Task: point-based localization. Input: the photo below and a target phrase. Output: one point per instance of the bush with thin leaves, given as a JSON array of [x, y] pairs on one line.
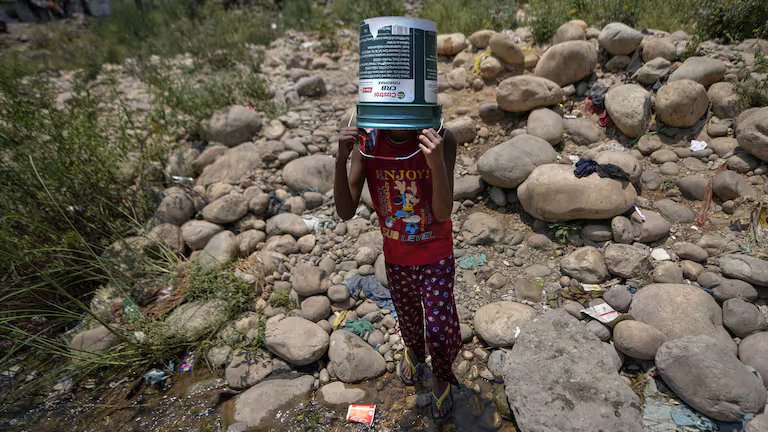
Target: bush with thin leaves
[[465, 16]]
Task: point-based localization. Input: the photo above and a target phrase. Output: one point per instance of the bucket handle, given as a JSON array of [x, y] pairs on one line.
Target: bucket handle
[[442, 119]]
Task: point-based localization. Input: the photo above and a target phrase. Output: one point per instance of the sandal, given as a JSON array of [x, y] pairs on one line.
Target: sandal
[[414, 369], [437, 404]]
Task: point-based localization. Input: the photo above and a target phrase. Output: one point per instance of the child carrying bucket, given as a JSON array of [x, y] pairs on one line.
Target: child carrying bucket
[[409, 169]]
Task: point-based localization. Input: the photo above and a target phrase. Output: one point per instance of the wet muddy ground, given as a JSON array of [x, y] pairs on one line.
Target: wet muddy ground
[[201, 401]]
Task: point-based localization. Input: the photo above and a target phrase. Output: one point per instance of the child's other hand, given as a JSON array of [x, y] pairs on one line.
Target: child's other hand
[[348, 138], [431, 144]]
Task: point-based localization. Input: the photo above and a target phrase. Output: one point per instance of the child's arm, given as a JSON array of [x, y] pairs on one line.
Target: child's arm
[[347, 189], [440, 153]]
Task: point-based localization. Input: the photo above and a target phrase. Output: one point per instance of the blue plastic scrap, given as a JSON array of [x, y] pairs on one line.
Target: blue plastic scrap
[[471, 262], [372, 289]]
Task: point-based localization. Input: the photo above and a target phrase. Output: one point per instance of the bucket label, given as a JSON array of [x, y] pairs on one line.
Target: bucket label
[[398, 64]]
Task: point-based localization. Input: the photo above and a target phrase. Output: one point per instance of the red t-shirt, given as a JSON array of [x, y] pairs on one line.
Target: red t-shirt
[[401, 191]]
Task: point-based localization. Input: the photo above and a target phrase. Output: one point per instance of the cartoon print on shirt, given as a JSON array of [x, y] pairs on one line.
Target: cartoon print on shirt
[[407, 198]]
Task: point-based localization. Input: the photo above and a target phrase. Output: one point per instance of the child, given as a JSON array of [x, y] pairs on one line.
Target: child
[[410, 177]]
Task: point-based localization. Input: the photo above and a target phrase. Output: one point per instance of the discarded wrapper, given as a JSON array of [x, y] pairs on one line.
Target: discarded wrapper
[[601, 312], [361, 413], [591, 287], [188, 363], [698, 145]]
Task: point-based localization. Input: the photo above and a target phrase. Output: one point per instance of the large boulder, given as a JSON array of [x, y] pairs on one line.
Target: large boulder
[[310, 173], [693, 187], [504, 47], [526, 92], [742, 318], [753, 351], [227, 209], [467, 187], [567, 62], [752, 133], [629, 106], [659, 47], [729, 185], [710, 379], [745, 267], [176, 207], [231, 166], [221, 249], [681, 103], [546, 124], [354, 360], [481, 38], [311, 86], [196, 233], [246, 369], [561, 378], [725, 101], [451, 44], [296, 340], [463, 129], [496, 323], [637, 340], [675, 211], [481, 228], [572, 30], [582, 131], [704, 70], [619, 39], [553, 193], [508, 164], [309, 280], [193, 320], [95, 340], [286, 223], [680, 310], [586, 265], [255, 407], [652, 71], [624, 160], [627, 261], [232, 125]]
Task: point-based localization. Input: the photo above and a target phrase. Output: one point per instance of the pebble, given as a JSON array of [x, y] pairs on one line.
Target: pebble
[[473, 373], [487, 374], [481, 354], [462, 368], [468, 355]]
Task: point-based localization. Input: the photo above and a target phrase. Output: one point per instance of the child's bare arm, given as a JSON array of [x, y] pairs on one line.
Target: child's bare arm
[[347, 188], [440, 153]]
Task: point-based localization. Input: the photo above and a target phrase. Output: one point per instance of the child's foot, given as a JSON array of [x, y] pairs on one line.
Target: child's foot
[[409, 368], [442, 405]]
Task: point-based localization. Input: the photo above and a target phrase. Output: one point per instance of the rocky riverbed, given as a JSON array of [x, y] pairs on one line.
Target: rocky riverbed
[[672, 247]]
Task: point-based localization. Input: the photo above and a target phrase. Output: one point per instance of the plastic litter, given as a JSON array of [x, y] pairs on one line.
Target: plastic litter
[[591, 287], [359, 327], [601, 312], [471, 262], [642, 216], [372, 289], [182, 180], [569, 116], [361, 413], [698, 145], [318, 224], [187, 363], [155, 376], [662, 413]]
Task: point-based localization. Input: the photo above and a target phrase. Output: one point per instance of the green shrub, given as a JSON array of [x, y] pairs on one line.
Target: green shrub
[[545, 16], [751, 92], [466, 16], [732, 20]]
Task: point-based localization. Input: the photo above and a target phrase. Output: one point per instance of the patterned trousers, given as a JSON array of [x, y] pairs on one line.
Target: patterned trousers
[[424, 295]]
